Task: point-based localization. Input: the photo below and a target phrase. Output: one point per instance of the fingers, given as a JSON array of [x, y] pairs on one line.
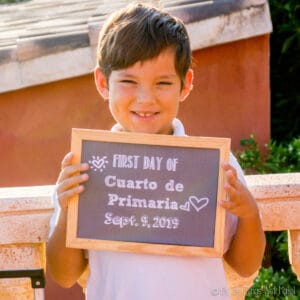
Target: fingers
[[231, 175], [239, 199], [69, 183], [70, 187], [232, 188], [229, 205], [71, 170], [67, 160], [65, 197]]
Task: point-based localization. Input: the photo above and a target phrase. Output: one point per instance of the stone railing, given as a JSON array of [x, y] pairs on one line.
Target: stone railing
[[278, 198], [25, 214], [24, 227]]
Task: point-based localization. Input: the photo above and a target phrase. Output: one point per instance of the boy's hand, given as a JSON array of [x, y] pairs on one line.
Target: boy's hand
[[69, 180], [240, 201], [247, 247]]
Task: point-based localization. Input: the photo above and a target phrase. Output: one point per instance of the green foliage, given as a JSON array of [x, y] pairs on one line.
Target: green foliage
[[11, 1], [277, 158], [276, 279], [250, 158], [285, 69], [274, 285], [278, 243], [284, 157]]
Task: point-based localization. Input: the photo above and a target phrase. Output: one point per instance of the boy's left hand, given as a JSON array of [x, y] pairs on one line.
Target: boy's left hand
[[247, 247], [240, 201]]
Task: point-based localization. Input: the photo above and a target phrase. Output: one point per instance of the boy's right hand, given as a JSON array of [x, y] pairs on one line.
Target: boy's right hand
[[69, 180]]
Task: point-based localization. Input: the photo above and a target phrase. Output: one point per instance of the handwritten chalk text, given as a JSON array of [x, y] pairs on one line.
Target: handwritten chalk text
[[153, 163], [113, 181], [144, 221], [129, 201]]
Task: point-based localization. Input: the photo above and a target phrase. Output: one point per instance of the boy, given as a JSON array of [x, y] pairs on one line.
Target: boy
[[144, 73]]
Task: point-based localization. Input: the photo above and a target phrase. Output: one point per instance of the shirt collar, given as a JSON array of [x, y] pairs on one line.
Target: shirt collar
[[178, 128]]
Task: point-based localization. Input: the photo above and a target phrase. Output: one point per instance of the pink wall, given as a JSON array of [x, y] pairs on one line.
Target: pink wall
[[231, 96], [230, 99], [36, 123]]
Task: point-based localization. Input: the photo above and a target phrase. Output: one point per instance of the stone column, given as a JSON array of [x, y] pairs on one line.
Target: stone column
[[294, 251], [24, 226]]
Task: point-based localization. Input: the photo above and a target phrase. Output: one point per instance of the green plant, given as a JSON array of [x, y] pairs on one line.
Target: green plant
[[277, 255], [11, 1], [275, 279], [283, 157], [274, 285], [250, 158], [278, 157]]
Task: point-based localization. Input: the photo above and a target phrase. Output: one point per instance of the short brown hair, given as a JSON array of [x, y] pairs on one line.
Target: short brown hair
[[139, 32]]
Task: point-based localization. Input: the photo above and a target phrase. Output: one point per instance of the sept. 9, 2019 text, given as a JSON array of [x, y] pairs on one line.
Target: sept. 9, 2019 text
[[143, 221]]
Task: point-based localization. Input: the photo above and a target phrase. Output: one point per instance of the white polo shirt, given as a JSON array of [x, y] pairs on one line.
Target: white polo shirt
[[131, 276]]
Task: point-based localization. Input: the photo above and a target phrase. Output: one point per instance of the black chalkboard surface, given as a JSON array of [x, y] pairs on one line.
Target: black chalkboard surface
[[149, 193]]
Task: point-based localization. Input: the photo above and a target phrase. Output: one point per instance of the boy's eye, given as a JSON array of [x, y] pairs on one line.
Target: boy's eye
[[127, 81], [164, 83]]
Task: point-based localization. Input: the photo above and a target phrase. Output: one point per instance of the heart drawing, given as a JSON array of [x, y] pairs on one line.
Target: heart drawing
[[197, 203], [97, 163]]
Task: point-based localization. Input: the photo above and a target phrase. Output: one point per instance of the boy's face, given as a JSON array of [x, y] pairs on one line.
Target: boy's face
[[145, 97]]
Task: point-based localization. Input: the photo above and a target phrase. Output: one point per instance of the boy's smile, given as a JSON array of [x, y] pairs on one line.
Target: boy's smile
[[145, 96]]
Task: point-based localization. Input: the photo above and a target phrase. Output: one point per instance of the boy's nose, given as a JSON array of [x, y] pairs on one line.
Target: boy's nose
[[145, 95]]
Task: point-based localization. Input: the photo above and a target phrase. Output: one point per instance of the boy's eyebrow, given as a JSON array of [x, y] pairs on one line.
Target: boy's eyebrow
[[124, 73], [168, 76], [164, 76]]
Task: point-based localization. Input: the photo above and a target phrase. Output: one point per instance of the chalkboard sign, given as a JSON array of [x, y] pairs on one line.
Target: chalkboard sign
[[149, 193]]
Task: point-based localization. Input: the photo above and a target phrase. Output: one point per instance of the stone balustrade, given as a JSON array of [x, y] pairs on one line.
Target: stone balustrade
[[278, 198], [24, 227], [25, 214]]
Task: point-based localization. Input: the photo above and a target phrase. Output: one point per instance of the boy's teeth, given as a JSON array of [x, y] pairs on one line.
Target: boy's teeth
[[144, 114]]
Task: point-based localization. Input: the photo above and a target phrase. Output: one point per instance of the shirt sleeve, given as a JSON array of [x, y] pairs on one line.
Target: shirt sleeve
[[54, 217]]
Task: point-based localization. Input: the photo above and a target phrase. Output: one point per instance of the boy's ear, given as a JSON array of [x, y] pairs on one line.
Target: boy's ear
[[188, 85], [101, 83]]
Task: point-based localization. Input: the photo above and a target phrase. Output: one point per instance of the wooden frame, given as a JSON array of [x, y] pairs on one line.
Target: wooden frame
[[176, 144]]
